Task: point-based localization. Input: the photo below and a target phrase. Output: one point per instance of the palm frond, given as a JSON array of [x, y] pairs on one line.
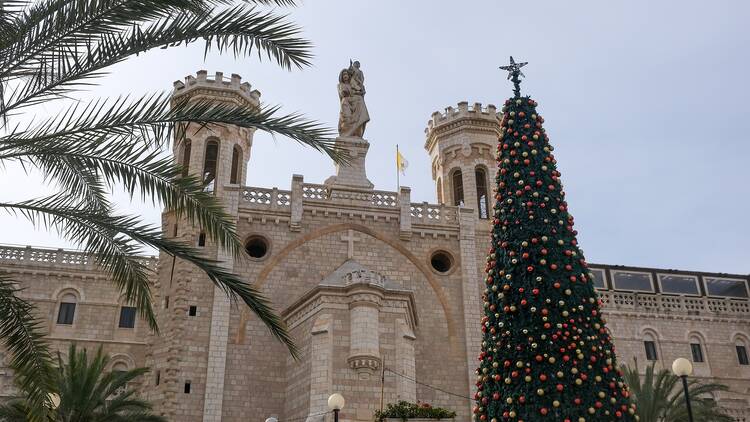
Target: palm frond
[[152, 119], [120, 258], [239, 30], [22, 336], [117, 254], [138, 168]]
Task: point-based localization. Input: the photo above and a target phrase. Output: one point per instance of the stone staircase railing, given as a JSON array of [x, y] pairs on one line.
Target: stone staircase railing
[[666, 304], [55, 257]]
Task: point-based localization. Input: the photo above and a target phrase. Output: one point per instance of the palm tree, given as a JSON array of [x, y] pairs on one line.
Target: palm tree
[[87, 392], [659, 396], [49, 50]]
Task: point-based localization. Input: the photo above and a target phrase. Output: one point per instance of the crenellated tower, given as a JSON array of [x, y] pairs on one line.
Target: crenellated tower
[[461, 142], [188, 358], [218, 154]]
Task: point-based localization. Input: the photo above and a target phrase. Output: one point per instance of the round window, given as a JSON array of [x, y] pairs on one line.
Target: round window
[[441, 261], [256, 247]]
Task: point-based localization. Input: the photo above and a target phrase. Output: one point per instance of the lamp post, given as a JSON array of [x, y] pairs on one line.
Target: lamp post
[[335, 403], [682, 368], [54, 400]]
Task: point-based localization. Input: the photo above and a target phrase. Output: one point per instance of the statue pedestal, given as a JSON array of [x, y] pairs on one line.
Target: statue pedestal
[[350, 181]]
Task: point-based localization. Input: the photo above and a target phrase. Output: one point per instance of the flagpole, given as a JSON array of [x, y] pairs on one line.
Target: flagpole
[[398, 171]]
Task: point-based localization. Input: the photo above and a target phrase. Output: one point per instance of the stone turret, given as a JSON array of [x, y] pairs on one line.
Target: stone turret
[[461, 142], [218, 154], [189, 357]]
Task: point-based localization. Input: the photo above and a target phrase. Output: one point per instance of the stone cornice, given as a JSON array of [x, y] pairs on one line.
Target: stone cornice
[[342, 297]]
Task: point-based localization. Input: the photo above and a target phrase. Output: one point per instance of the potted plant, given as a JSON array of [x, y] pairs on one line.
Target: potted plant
[[414, 412]]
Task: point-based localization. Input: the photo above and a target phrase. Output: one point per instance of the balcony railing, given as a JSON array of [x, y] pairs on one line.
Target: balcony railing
[[665, 304], [56, 257]]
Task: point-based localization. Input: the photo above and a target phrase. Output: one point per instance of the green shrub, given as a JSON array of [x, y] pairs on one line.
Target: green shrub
[[404, 410]]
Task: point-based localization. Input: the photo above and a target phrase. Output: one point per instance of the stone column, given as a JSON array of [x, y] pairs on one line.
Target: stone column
[[364, 337], [472, 300]]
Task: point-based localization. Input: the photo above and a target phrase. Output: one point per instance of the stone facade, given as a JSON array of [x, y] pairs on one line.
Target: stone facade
[[381, 294]]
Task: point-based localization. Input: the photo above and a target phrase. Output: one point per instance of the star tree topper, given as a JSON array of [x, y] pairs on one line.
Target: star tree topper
[[514, 71]]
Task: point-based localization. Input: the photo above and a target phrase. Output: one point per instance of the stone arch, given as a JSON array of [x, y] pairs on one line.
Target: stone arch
[[457, 185], [69, 288], [395, 244], [121, 358]]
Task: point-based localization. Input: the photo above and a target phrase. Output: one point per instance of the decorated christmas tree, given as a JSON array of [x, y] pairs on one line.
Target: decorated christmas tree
[[546, 352]]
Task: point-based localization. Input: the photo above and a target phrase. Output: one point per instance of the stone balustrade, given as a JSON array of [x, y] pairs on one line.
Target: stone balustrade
[[421, 213], [666, 304], [267, 198], [443, 215], [67, 258]]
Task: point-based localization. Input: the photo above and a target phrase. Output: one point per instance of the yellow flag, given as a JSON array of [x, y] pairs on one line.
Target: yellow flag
[[401, 163]]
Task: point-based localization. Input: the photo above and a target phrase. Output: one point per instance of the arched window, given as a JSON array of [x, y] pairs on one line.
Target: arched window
[[234, 175], [186, 157], [119, 368], [457, 179], [439, 191], [740, 346], [209, 165], [67, 310], [649, 345], [696, 349], [483, 203]]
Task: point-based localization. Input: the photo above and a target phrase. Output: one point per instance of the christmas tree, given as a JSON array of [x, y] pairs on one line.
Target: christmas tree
[[546, 352]]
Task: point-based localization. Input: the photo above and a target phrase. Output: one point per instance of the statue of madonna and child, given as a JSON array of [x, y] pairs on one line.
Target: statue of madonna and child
[[354, 116]]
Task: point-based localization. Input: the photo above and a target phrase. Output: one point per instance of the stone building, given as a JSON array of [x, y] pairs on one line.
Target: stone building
[[372, 286]]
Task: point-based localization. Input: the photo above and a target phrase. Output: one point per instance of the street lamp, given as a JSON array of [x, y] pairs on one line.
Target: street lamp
[[54, 400], [682, 368], [336, 402]]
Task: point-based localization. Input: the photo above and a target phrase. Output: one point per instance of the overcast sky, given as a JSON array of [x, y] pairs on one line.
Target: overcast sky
[[645, 102]]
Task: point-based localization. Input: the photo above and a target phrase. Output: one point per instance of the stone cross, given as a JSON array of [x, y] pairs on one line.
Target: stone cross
[[349, 237]]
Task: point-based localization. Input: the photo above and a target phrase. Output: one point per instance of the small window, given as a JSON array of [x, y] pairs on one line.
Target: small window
[[166, 302], [256, 247], [174, 231], [186, 158], [441, 261], [202, 239], [742, 355], [157, 378], [679, 284], [697, 352], [234, 174], [483, 202], [726, 287], [632, 280], [458, 187], [67, 311], [650, 347], [193, 310], [187, 387], [127, 317], [209, 165], [597, 278]]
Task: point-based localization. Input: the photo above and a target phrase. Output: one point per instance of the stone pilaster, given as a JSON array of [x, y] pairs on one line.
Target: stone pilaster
[[321, 366], [295, 221], [472, 301], [404, 201], [219, 335], [405, 363]]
